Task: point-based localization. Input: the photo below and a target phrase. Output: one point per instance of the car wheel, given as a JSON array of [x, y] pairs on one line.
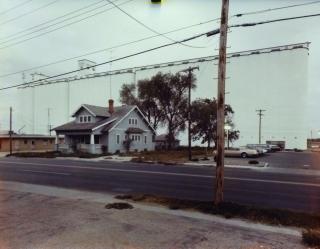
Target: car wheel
[[244, 155]]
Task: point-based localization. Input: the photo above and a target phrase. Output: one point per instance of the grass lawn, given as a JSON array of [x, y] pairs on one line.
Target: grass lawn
[[173, 156], [309, 222]]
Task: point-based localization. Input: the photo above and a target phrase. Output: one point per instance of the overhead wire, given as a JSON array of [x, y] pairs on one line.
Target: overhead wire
[[29, 12], [16, 35], [60, 27], [210, 33], [106, 49], [149, 37], [277, 8], [15, 7], [272, 21], [103, 63], [147, 27]]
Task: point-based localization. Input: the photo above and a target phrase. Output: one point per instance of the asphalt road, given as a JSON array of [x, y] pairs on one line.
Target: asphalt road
[[288, 160], [259, 187]]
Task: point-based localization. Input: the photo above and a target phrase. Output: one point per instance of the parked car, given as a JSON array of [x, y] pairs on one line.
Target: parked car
[[239, 152], [275, 148], [265, 148]]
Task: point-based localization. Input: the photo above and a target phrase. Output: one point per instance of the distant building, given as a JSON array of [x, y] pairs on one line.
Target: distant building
[[25, 142], [163, 144], [313, 144], [97, 130]]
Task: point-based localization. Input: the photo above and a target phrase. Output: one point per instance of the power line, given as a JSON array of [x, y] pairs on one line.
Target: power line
[[272, 21], [274, 9], [106, 62], [147, 27], [41, 24], [143, 39], [54, 19], [29, 12], [15, 7], [106, 49], [244, 25], [50, 31]]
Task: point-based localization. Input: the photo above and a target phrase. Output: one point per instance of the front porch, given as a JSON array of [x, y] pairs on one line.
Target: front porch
[[86, 143]]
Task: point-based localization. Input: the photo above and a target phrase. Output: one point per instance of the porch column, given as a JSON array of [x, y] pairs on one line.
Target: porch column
[[92, 138]]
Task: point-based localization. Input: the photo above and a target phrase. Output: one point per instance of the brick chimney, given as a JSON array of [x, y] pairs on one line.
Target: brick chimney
[[111, 107]]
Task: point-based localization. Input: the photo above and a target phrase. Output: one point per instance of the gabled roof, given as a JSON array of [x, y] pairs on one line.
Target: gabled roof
[[107, 123], [97, 111]]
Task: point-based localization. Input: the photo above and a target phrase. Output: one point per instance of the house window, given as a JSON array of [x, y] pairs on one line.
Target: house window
[[118, 139], [139, 138], [145, 139], [32, 142], [129, 120], [81, 119], [132, 137], [135, 121], [25, 141], [89, 119], [85, 119]]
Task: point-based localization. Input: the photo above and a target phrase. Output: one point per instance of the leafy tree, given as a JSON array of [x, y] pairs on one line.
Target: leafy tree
[[171, 92], [204, 121], [163, 99], [127, 94], [146, 101]]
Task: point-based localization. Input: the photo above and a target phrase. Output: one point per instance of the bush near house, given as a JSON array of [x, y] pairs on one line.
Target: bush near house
[[54, 154]]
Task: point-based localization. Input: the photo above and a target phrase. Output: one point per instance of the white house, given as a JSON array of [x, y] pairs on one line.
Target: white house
[[109, 129]]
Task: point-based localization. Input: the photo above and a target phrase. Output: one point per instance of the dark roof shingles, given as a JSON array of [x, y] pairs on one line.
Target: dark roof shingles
[[120, 112]]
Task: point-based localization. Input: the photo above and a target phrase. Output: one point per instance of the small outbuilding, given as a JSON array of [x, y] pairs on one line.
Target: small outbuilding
[[26, 142], [163, 144]]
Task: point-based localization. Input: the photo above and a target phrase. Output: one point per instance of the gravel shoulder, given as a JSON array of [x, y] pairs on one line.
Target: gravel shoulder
[[37, 217]]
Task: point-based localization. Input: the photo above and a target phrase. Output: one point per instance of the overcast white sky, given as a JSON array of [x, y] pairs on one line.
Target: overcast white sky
[[112, 27]]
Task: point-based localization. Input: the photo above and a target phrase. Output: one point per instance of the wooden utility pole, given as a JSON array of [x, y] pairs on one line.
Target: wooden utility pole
[[220, 108], [260, 114], [189, 71], [49, 122], [10, 132]]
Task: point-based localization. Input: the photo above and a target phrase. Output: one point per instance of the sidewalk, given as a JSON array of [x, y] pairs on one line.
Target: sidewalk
[[34, 217], [3, 154]]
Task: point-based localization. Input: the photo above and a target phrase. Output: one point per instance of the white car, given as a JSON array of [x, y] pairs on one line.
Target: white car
[[239, 152]]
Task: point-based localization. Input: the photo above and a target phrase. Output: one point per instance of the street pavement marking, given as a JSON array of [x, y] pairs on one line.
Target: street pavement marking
[[165, 173], [45, 172]]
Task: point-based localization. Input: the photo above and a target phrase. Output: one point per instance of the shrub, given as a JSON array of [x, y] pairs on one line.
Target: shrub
[[311, 237]]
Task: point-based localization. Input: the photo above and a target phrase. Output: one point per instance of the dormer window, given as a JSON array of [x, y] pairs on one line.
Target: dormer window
[[85, 119]]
